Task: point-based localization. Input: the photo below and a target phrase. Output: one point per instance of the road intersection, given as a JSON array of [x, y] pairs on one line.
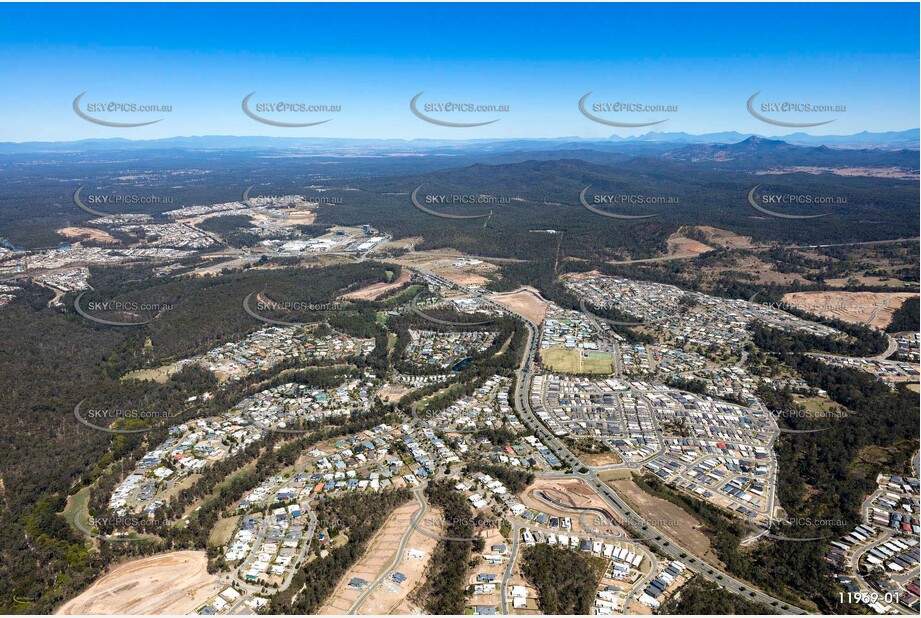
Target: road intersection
[[658, 539]]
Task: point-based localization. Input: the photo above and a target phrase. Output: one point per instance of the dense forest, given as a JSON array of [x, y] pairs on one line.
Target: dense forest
[[858, 340], [702, 598], [235, 230], [205, 310], [54, 359], [565, 580], [540, 191], [548, 192], [906, 318], [445, 587]]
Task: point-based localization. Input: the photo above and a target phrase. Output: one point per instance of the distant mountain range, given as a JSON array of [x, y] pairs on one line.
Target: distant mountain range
[[762, 153], [647, 144], [889, 139]]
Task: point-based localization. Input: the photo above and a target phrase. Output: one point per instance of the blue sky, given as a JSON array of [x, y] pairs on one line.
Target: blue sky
[[538, 59]]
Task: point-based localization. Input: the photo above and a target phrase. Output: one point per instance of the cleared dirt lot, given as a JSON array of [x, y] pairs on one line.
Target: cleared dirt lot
[[405, 243], [154, 374], [460, 277], [465, 274], [391, 598], [381, 551], [291, 217], [392, 393], [525, 301], [724, 238], [301, 217], [576, 494], [87, 233], [173, 583], [454, 265], [377, 290], [680, 245], [601, 459], [872, 308], [428, 258], [493, 537], [670, 518]]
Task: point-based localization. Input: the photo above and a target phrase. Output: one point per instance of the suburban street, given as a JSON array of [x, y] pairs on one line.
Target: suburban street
[[657, 538], [398, 556]]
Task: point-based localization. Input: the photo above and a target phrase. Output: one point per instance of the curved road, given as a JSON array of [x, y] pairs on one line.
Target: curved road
[[423, 508], [503, 589], [661, 542]]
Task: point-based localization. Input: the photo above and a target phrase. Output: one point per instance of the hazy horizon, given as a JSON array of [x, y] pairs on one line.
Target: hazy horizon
[[557, 138]]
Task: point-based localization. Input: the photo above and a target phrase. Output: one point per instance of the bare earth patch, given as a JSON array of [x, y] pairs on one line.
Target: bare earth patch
[[87, 233], [574, 495], [393, 598], [392, 393], [376, 290], [406, 243], [291, 218], [601, 459], [668, 517], [461, 273], [173, 583], [429, 257], [724, 238], [301, 217], [873, 308], [681, 246], [381, 551], [525, 301], [460, 277], [494, 598], [155, 374], [457, 266]]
